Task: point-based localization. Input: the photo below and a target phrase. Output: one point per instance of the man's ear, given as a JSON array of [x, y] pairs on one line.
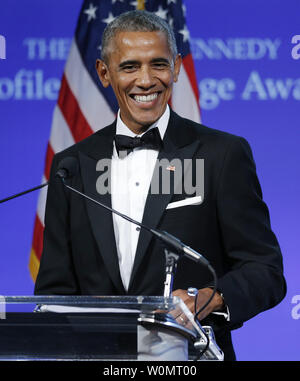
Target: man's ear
[[177, 66], [103, 73]]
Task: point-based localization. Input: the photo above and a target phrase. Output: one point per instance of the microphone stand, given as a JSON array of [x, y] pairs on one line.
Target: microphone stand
[[25, 192], [206, 344], [171, 266]]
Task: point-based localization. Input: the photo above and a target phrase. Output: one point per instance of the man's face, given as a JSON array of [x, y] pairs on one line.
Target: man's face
[[141, 71]]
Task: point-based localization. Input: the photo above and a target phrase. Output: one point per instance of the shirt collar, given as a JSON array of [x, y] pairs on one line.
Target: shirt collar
[[161, 124]]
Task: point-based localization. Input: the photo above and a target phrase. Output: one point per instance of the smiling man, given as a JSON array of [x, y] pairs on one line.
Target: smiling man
[[141, 69], [89, 251]]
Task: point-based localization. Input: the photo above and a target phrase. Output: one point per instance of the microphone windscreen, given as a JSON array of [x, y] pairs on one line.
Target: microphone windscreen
[[68, 167]]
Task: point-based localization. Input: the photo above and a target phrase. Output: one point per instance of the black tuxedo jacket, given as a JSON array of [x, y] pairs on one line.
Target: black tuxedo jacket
[[231, 228]]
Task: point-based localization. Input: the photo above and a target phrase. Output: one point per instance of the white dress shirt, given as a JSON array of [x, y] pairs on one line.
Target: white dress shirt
[[130, 182]]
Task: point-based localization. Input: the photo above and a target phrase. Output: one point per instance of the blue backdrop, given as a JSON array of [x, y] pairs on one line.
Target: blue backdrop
[[248, 71]]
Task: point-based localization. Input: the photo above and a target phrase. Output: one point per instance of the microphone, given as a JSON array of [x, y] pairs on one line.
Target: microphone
[[68, 167], [175, 244]]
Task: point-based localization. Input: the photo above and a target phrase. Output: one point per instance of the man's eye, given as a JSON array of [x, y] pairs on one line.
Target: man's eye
[[160, 65], [129, 68]]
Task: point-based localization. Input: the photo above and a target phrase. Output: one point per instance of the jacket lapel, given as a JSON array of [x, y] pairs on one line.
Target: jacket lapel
[[179, 143], [100, 218]]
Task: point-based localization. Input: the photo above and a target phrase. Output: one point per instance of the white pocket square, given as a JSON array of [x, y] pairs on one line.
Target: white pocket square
[[187, 201]]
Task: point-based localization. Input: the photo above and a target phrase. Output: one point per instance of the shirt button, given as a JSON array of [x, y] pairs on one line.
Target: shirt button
[[137, 183], [137, 229]]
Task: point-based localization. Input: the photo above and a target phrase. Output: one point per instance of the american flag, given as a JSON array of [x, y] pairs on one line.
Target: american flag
[[84, 106]]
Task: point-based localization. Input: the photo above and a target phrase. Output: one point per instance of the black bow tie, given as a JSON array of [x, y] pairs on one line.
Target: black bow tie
[[151, 139]]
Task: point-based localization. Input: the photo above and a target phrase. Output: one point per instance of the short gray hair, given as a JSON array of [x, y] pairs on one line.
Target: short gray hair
[[137, 21]]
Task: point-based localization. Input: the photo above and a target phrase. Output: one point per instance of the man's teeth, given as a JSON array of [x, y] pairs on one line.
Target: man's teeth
[[145, 98]]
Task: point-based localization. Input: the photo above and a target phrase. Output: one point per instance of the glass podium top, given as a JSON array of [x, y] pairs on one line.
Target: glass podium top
[[152, 307], [101, 301], [106, 316], [76, 303], [157, 305]]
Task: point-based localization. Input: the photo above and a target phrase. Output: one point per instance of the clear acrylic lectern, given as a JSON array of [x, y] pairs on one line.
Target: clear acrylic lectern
[[138, 328]]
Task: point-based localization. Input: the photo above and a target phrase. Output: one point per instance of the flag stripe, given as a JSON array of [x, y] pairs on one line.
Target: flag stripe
[[71, 111], [61, 136], [183, 100], [42, 202], [49, 158], [37, 234], [189, 67], [89, 102]]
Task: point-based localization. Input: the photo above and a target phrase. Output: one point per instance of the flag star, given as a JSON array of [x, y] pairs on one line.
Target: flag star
[[184, 9], [134, 3], [171, 1], [114, 1], [171, 22], [91, 12], [161, 12], [185, 33], [109, 19]]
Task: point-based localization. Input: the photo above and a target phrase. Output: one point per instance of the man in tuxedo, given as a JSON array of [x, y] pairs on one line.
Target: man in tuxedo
[[90, 251]]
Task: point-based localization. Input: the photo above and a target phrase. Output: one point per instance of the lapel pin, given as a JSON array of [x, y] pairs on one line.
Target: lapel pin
[[170, 168]]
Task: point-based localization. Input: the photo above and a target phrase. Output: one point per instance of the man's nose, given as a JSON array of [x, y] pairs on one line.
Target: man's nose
[[145, 78]]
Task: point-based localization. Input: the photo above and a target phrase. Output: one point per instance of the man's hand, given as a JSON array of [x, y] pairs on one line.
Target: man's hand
[[204, 294]]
